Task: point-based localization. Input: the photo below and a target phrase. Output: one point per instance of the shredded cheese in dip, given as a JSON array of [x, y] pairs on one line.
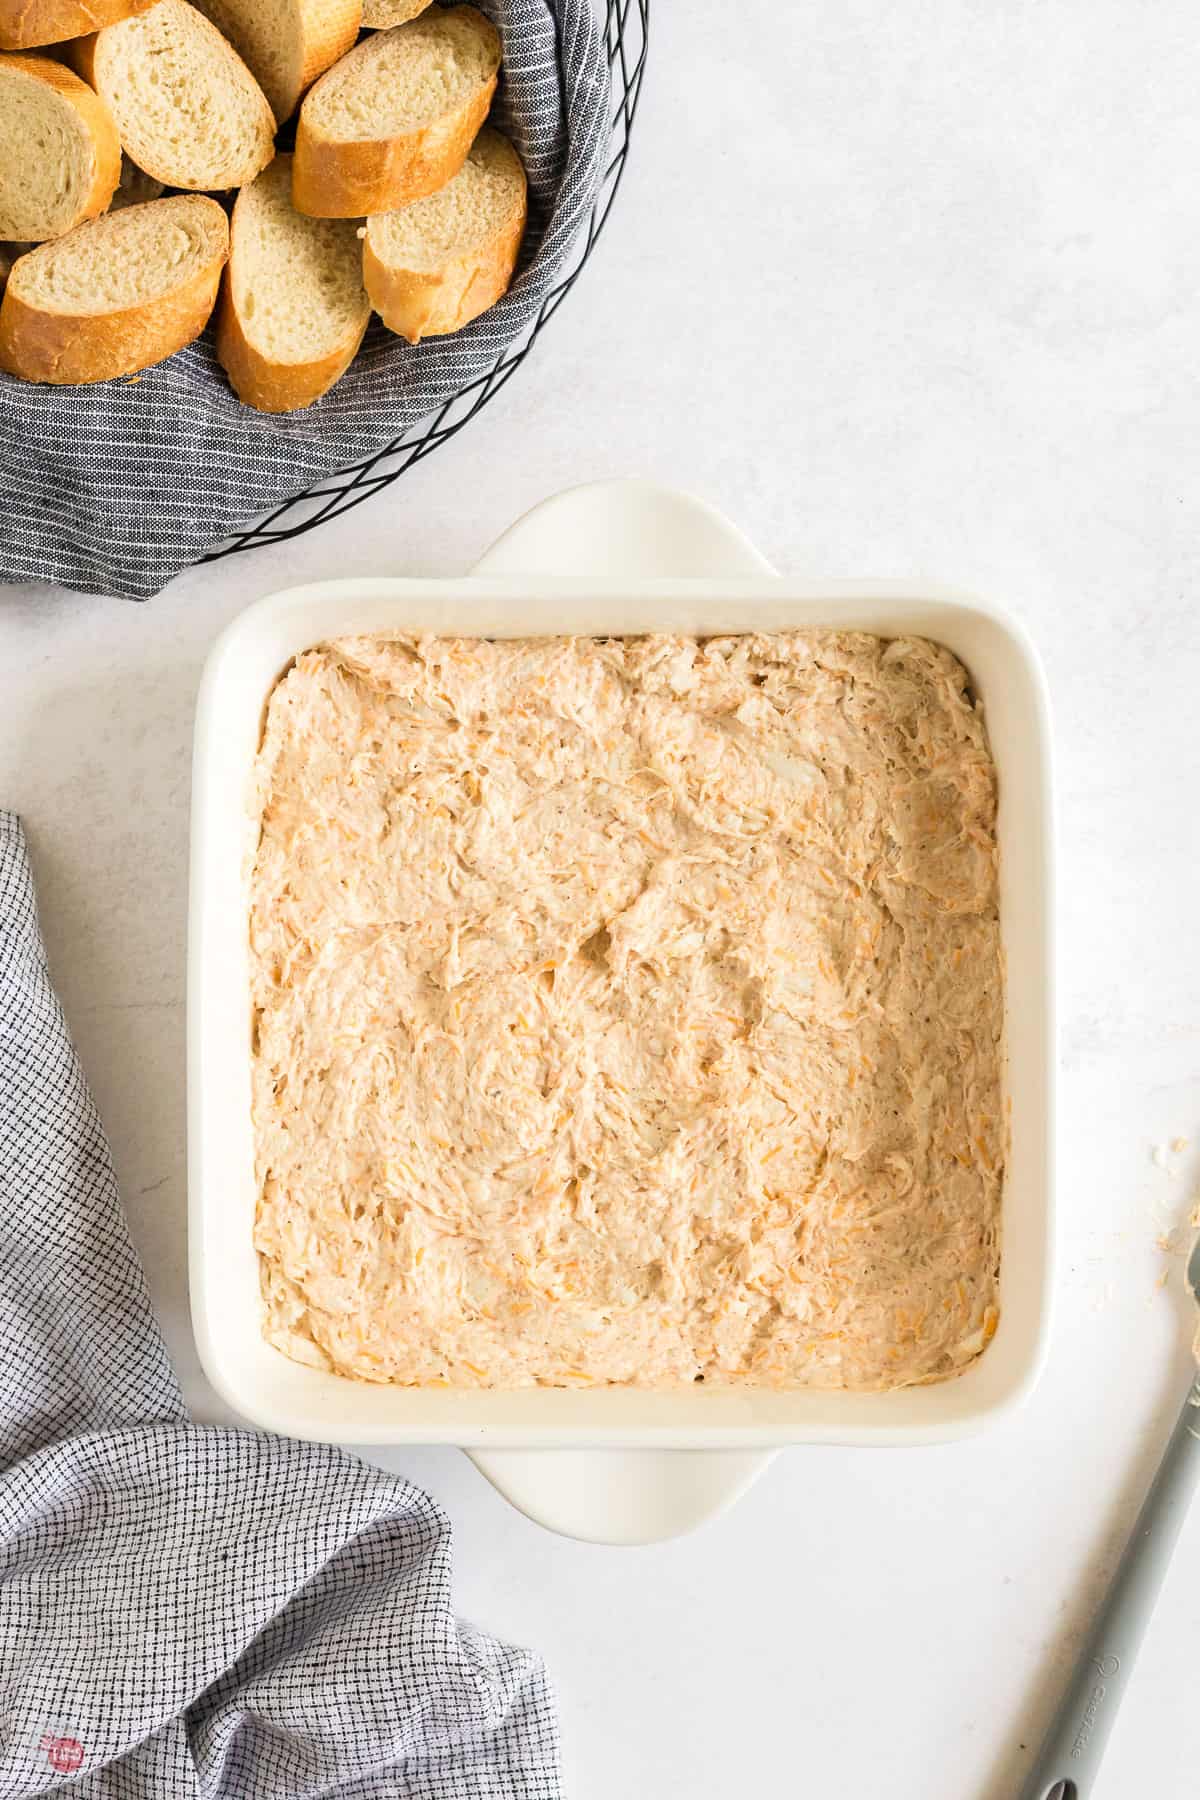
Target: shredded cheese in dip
[[628, 1011]]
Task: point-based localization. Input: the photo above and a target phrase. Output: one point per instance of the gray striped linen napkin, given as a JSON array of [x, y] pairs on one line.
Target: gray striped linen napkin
[[115, 487], [191, 1612]]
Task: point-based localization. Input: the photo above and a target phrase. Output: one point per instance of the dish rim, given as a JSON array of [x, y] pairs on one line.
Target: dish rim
[[666, 1418]]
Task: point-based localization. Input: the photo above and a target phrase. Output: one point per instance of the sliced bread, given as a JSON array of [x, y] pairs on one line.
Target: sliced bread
[[115, 295], [435, 265], [286, 43], [293, 307], [24, 24], [60, 157], [378, 15], [188, 109], [395, 118]]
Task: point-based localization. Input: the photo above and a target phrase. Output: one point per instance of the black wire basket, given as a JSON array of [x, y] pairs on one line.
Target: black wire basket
[[626, 34]]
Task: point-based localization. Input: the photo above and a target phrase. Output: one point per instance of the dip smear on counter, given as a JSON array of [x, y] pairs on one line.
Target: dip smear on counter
[[628, 1011]]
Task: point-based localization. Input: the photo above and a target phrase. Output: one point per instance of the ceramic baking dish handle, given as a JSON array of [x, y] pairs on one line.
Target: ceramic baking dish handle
[[621, 1496], [629, 530]]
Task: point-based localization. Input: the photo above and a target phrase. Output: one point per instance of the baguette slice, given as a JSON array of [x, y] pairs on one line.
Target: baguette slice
[[286, 43], [114, 295], [437, 264], [188, 109], [395, 118], [24, 24], [60, 157], [379, 15], [293, 308]]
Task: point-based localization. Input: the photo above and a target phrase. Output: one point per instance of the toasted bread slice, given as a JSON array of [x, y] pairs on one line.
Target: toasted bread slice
[[188, 109], [437, 264], [395, 118], [25, 24], [380, 15], [286, 44], [60, 157], [115, 295], [293, 306]]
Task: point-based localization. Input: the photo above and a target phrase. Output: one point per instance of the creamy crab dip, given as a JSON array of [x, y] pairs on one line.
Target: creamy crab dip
[[628, 1011]]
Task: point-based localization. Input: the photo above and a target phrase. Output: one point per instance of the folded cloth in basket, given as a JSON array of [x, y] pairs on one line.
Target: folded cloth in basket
[[187, 1611]]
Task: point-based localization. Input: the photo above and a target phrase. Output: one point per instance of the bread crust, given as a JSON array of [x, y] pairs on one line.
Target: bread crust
[[416, 303], [97, 121], [328, 28], [76, 348], [331, 27], [80, 55], [334, 178], [24, 24]]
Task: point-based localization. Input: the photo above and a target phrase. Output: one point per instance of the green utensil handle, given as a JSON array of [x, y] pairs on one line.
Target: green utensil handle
[[1069, 1759]]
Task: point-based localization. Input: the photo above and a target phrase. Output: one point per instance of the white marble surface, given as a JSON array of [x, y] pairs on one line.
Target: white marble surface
[[911, 292]]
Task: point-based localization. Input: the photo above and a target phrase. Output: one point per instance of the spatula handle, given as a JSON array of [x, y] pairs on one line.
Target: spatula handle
[[1069, 1758]]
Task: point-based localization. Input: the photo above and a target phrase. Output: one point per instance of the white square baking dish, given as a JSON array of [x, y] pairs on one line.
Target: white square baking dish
[[281, 1395]]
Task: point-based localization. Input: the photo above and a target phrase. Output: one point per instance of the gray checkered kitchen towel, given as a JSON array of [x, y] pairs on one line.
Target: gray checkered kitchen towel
[[188, 1611], [116, 487]]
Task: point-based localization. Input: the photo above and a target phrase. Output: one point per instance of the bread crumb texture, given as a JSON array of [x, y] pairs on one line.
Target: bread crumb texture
[[297, 281], [187, 107], [123, 259], [465, 216], [46, 157], [409, 76]]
